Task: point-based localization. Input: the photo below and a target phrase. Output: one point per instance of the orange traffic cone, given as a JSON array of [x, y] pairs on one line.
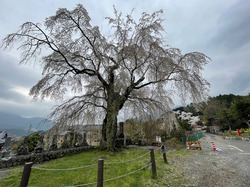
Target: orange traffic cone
[[187, 144], [214, 147]]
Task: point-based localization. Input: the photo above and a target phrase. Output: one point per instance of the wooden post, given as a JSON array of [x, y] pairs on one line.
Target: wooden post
[[164, 154], [153, 165], [26, 174], [100, 173]]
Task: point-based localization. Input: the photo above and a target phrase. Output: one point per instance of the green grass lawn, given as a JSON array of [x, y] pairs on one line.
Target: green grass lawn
[[120, 164]]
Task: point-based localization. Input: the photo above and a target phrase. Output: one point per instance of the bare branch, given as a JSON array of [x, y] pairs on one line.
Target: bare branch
[[130, 67]]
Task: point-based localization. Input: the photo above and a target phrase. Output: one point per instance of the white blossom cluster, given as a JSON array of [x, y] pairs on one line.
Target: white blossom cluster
[[187, 116]]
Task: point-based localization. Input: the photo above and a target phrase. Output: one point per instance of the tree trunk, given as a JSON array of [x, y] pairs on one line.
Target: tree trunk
[[114, 103], [109, 127], [103, 144], [111, 130]]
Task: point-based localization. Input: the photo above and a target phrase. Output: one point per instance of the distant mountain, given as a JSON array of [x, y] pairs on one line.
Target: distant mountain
[[20, 126]]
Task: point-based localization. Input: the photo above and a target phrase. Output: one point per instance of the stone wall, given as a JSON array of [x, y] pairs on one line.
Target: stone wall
[[40, 157]]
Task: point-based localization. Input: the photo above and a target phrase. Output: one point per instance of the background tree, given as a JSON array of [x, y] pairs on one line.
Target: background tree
[[226, 119], [134, 130], [130, 67], [151, 129], [143, 130], [225, 110], [212, 108], [241, 109]]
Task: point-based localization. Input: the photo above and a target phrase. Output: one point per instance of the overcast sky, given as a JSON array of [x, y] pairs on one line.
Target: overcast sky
[[219, 29]]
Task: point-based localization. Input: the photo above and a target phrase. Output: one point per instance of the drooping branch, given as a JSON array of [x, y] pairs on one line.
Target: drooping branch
[[130, 67]]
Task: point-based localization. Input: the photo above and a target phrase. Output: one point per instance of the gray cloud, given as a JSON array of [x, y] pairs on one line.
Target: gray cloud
[[219, 29], [14, 81], [16, 74], [232, 32], [229, 73], [7, 93]]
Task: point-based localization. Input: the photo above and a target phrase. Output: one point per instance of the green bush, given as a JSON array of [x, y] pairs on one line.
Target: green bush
[[173, 143], [230, 133], [22, 149], [33, 140], [184, 125], [28, 144], [247, 130], [244, 133]]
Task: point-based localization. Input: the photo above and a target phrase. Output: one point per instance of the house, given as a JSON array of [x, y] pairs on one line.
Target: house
[[196, 127], [70, 136], [214, 128], [64, 139], [3, 136], [94, 134]]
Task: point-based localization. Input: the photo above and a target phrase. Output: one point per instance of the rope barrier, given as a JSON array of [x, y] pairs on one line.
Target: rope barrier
[[8, 170], [81, 167], [158, 157], [63, 169], [111, 179], [87, 184], [122, 162], [108, 180], [159, 148]]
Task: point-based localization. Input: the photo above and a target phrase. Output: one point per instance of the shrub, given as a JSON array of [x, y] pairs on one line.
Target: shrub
[[33, 140], [173, 143], [28, 144], [247, 130], [22, 149], [230, 133]]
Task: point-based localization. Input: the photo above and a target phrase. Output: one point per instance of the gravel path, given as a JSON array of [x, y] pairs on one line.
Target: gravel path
[[208, 168]]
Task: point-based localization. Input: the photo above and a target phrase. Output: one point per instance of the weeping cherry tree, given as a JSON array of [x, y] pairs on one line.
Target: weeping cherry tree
[[95, 74]]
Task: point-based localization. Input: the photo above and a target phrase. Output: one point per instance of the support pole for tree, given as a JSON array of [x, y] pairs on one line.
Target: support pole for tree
[[164, 154], [100, 173], [26, 174], [153, 165]]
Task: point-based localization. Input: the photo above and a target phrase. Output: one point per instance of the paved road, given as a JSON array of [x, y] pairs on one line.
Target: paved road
[[230, 146], [240, 146], [228, 167]]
